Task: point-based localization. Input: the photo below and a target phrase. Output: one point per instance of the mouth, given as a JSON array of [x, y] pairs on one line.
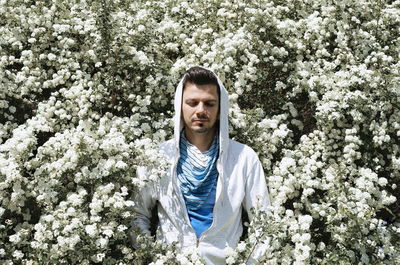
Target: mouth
[[200, 120]]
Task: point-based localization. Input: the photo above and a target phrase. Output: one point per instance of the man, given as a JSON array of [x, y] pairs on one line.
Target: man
[[211, 178]]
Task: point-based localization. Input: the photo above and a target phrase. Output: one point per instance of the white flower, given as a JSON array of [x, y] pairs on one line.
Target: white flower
[[91, 230], [121, 228], [102, 242], [121, 164], [98, 257], [16, 238], [382, 181], [51, 56], [108, 232], [230, 260], [305, 221], [286, 163], [241, 246], [17, 254]]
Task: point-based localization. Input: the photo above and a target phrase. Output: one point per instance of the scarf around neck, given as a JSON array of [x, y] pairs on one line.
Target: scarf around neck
[[197, 171]]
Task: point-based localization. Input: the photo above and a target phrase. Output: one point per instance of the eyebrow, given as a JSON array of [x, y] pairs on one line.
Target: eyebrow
[[194, 99]]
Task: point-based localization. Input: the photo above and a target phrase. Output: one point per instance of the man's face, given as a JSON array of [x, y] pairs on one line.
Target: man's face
[[200, 107]]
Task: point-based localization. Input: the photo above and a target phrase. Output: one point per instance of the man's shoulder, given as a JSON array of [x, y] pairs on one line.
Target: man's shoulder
[[168, 143], [242, 150], [167, 147]]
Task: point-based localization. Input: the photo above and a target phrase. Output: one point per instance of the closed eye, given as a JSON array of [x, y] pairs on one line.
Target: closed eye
[[192, 103]]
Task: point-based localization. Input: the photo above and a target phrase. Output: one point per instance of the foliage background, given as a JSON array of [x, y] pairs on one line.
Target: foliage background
[[86, 92]]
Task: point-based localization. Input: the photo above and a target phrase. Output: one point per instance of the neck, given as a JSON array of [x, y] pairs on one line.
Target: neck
[[202, 141]]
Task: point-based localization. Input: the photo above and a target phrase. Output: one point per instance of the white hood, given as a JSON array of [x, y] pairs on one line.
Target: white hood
[[223, 117]]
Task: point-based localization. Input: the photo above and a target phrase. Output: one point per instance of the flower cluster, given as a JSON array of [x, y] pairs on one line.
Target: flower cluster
[[86, 98]]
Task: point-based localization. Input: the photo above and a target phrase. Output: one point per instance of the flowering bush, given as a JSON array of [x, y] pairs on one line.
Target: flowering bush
[[86, 97]]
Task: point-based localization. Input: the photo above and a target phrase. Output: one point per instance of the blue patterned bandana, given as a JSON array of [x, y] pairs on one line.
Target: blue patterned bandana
[[197, 171]]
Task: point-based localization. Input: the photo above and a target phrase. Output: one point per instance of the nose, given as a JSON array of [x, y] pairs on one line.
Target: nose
[[201, 107], [201, 110]]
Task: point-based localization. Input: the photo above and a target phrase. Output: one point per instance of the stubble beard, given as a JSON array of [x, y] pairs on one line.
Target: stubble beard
[[203, 129]]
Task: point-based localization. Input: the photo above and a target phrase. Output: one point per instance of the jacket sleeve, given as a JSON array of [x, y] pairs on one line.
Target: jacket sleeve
[[256, 198], [256, 191], [144, 201]]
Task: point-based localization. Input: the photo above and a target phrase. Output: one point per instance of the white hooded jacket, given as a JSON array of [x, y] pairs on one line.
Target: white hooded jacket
[[241, 185]]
